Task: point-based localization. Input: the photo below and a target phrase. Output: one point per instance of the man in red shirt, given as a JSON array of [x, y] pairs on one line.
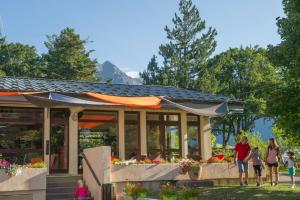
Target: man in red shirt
[[242, 153]]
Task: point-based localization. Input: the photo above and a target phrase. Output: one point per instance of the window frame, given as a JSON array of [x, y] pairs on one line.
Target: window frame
[[162, 124], [133, 122], [52, 121], [113, 121], [41, 120], [197, 124]]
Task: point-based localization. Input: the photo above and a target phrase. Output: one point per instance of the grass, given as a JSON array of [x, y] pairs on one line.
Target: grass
[[279, 192]]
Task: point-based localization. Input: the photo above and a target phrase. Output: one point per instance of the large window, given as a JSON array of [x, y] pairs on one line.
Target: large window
[[21, 134], [98, 128], [193, 126], [163, 135], [132, 136], [59, 137]]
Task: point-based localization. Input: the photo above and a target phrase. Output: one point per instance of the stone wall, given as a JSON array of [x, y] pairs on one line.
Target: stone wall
[[31, 183]]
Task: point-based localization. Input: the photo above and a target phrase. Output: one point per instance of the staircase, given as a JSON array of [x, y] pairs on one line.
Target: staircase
[[61, 187]]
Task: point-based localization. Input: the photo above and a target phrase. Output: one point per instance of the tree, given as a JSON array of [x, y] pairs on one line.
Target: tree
[[67, 57], [17, 59], [189, 47], [285, 104], [152, 75], [245, 74]]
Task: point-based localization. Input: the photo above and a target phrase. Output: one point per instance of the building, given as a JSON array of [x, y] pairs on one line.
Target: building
[[54, 120]]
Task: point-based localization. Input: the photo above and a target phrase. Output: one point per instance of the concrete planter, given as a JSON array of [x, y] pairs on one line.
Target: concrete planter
[[195, 173], [32, 182], [170, 171]]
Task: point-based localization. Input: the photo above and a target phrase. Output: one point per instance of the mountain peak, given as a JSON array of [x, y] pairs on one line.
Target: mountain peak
[[109, 71], [108, 63]]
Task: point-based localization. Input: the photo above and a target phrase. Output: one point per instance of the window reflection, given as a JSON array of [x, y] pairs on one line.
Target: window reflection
[[163, 136], [59, 132], [98, 128], [21, 134], [193, 136], [132, 138]]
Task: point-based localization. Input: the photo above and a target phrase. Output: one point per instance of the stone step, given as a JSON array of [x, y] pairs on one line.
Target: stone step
[[88, 198], [64, 198], [61, 189], [60, 195], [61, 184], [63, 178]]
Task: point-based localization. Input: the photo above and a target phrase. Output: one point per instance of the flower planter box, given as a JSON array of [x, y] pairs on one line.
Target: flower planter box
[[171, 171], [31, 181]]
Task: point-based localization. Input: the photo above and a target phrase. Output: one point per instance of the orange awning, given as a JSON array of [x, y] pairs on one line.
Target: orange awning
[[89, 125], [17, 93], [96, 118], [136, 102]]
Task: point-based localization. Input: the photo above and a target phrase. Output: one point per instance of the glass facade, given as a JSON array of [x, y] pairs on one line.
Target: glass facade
[[163, 135], [132, 134], [21, 134], [97, 128], [59, 137], [193, 128]]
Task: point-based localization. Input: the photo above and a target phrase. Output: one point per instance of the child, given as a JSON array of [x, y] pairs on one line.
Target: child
[[81, 191], [258, 165], [292, 165]]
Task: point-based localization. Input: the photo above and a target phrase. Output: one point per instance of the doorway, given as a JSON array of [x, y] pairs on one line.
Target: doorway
[[59, 140], [163, 135]]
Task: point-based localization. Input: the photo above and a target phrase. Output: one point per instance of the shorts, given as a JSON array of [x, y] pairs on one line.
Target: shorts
[[272, 164], [243, 167], [257, 169], [292, 171]]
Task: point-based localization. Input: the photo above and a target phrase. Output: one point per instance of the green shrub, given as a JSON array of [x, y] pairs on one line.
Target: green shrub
[[135, 190], [168, 191], [189, 194]]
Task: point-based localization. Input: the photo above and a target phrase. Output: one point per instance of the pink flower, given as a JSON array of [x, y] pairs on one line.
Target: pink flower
[[4, 163]]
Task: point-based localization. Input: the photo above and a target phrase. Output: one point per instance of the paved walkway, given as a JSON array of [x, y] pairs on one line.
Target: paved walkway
[[286, 179]]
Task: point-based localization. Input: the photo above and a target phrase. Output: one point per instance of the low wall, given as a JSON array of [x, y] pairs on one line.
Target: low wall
[[99, 160], [31, 183], [171, 171], [151, 174]]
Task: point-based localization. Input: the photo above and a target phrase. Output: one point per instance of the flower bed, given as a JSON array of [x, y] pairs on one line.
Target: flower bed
[[23, 179]]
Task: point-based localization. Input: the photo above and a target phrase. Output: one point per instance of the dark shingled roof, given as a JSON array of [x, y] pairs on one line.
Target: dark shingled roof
[[66, 86]]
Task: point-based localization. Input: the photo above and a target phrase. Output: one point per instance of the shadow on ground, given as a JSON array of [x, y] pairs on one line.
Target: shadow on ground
[[247, 193]]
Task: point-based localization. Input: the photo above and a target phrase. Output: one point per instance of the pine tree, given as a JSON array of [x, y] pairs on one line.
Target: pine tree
[[152, 75], [67, 57], [189, 47]]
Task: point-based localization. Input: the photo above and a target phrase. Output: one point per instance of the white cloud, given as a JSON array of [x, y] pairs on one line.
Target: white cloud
[[133, 74]]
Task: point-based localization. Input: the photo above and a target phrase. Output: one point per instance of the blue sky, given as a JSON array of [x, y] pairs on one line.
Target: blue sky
[[128, 32]]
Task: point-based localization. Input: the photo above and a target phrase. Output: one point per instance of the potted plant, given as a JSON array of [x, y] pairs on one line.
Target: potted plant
[[189, 194], [191, 167], [168, 192], [135, 191]]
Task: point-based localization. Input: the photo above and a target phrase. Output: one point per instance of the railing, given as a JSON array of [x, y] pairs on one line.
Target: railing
[[106, 188], [91, 169]]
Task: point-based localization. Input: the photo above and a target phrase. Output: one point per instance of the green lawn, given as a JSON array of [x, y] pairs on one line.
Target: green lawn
[[281, 192]]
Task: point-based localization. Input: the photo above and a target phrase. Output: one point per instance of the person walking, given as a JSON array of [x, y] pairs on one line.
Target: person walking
[[292, 165], [258, 165], [242, 154], [273, 158]]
